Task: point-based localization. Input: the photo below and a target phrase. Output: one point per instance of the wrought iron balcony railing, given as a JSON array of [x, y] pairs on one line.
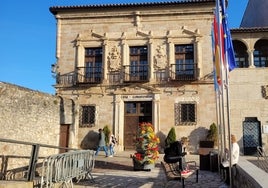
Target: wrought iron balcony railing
[[89, 75], [183, 72], [136, 73], [94, 75], [68, 79]]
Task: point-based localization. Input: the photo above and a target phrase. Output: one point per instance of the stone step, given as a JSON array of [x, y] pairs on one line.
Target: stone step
[[13, 184]]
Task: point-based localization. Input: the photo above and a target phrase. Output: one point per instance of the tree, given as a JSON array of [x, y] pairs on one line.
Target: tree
[[212, 133], [171, 137], [107, 132]]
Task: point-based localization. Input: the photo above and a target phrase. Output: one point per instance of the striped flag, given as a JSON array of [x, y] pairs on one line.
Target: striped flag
[[228, 45]]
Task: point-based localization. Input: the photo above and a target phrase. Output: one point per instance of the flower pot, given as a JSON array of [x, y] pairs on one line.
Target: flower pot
[[149, 166], [137, 165]]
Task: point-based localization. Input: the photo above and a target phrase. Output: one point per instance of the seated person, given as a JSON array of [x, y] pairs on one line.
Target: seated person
[[174, 154]]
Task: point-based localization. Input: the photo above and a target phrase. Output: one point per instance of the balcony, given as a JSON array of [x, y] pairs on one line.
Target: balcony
[[136, 73], [68, 79], [183, 72], [89, 75], [129, 74]]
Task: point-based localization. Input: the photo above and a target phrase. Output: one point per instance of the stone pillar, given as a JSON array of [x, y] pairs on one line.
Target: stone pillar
[[119, 121], [105, 60], [171, 56], [251, 58], [151, 60], [58, 36], [156, 112], [198, 59], [125, 52]]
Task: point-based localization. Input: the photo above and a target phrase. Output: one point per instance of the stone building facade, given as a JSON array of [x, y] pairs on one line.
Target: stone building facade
[[248, 88], [122, 64]]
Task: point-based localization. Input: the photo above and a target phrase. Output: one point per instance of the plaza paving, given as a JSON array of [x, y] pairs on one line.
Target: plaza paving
[[118, 172]]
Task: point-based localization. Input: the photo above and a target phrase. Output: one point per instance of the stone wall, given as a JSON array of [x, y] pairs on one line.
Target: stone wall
[[29, 116], [247, 175]]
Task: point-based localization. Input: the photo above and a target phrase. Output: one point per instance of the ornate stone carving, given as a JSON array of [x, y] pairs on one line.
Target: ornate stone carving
[[160, 59], [114, 59], [265, 91]]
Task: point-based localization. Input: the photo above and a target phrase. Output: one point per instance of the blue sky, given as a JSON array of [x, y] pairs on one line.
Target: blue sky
[[28, 38]]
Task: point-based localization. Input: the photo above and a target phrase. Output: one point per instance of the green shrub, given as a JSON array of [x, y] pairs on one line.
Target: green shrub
[[107, 132], [171, 137], [212, 133]]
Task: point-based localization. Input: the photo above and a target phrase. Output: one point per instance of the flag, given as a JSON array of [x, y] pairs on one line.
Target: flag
[[216, 85], [228, 45], [216, 52]]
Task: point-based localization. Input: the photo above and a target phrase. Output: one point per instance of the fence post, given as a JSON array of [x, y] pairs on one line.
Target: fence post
[[32, 163]]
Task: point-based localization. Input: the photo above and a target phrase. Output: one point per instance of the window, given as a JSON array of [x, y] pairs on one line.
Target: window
[[131, 108], [185, 113], [87, 116], [138, 67], [261, 53], [93, 64], [241, 55], [185, 67]]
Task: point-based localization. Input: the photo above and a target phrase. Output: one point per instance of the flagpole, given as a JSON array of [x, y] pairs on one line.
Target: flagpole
[[228, 103], [222, 96]]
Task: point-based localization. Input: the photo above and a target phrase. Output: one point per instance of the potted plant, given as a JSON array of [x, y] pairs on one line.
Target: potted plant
[[206, 147], [171, 137], [146, 147], [213, 134]]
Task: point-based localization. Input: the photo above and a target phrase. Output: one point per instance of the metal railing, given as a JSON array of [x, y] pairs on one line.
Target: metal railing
[[34, 154], [62, 168], [262, 159], [183, 72], [136, 73]]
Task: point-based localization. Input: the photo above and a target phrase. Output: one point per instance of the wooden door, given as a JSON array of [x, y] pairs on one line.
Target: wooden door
[[64, 137], [135, 113], [130, 130]]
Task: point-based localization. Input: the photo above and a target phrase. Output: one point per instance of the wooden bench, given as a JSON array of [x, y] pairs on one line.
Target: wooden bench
[[173, 173]]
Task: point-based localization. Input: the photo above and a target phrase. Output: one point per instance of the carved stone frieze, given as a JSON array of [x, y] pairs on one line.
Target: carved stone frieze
[[114, 59], [160, 59]]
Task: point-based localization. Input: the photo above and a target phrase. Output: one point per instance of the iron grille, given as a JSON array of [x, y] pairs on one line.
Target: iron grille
[[87, 116], [185, 113]]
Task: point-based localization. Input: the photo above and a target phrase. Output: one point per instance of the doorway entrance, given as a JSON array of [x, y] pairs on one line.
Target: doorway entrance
[[64, 136], [251, 135], [135, 113]]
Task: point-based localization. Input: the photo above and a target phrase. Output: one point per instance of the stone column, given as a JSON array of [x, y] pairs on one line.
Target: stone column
[[251, 58], [105, 60], [198, 58], [58, 36], [156, 112], [151, 60], [119, 121], [125, 58], [171, 56]]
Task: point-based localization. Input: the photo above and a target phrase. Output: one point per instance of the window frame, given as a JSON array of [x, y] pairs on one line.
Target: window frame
[[138, 63], [93, 64], [91, 121], [180, 113], [184, 67]]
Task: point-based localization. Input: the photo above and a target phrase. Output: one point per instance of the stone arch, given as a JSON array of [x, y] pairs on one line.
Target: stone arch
[[241, 54], [261, 53]]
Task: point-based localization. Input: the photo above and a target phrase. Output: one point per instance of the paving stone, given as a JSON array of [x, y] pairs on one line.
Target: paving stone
[[117, 172]]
